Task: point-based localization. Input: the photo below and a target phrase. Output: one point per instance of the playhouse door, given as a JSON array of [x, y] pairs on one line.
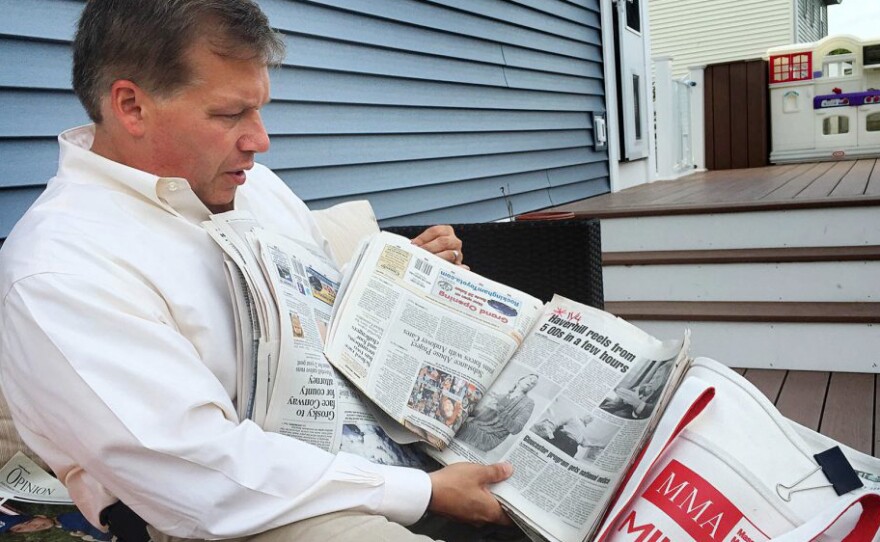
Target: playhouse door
[[836, 128], [869, 125], [631, 79]]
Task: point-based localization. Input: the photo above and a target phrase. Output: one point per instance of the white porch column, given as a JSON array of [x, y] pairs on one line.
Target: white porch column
[[664, 109]]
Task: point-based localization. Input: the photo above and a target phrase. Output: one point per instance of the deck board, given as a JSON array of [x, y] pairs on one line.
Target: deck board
[[803, 397], [808, 185], [849, 408], [854, 182], [873, 188], [824, 185], [769, 381], [797, 185]]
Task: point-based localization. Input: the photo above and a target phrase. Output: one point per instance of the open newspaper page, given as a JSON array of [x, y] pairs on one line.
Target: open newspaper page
[[311, 401], [570, 412], [423, 338]]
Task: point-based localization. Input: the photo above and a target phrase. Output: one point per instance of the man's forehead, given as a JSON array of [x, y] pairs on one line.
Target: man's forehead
[[229, 79]]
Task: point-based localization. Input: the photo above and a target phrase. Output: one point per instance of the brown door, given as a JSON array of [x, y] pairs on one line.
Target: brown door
[[737, 115]]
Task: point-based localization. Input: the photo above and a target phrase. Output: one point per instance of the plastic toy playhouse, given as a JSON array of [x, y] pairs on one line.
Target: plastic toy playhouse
[[825, 100]]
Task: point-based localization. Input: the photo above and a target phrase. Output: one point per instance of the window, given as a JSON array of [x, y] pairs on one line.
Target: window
[[633, 15], [811, 10], [793, 67], [839, 63], [873, 122], [835, 125], [637, 108], [803, 5], [791, 102], [823, 13]]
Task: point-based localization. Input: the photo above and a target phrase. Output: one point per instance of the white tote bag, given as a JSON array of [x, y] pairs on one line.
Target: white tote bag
[[741, 472]]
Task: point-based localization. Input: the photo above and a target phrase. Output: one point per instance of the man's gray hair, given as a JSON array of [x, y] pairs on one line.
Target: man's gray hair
[[146, 41]]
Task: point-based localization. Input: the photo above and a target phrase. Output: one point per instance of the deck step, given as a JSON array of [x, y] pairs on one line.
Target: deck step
[[746, 255], [747, 311], [818, 227], [629, 210]]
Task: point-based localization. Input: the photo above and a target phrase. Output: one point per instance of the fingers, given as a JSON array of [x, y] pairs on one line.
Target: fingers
[[492, 474], [442, 241], [460, 491], [433, 233], [454, 256]]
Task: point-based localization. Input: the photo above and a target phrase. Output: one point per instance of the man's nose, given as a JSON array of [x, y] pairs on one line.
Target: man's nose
[[255, 139]]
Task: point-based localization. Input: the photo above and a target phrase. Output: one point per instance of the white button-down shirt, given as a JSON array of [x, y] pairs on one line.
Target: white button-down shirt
[[117, 357]]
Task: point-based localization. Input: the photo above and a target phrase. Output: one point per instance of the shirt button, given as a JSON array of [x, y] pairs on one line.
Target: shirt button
[[173, 186]]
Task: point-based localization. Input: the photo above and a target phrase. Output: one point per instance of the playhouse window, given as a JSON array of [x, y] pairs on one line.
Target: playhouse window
[[793, 67], [839, 63], [837, 124], [873, 122]]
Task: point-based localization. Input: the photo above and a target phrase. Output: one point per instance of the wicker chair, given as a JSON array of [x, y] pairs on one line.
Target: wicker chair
[[538, 257]]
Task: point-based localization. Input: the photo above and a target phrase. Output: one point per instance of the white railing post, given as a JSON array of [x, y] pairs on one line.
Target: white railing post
[[664, 110], [698, 116]]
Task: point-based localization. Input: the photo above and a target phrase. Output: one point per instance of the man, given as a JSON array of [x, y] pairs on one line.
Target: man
[[647, 393], [117, 349]]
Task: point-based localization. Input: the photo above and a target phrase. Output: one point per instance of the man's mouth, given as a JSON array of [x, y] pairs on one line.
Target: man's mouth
[[238, 176]]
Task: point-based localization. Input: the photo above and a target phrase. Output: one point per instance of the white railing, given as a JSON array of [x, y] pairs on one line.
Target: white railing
[[678, 103]]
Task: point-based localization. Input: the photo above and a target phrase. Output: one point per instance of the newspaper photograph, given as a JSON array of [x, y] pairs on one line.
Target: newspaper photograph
[[423, 338], [569, 412]]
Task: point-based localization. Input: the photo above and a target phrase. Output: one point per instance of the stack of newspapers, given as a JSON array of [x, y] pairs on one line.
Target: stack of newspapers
[[409, 354]]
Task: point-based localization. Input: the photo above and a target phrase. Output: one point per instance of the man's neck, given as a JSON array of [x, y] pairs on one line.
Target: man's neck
[[103, 146]]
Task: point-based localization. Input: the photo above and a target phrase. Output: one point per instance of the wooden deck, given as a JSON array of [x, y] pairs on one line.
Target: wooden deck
[[843, 406], [810, 185]]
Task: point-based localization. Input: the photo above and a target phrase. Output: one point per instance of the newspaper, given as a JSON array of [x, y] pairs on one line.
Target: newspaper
[[570, 412], [283, 292], [254, 308], [410, 347], [422, 338], [23, 480]]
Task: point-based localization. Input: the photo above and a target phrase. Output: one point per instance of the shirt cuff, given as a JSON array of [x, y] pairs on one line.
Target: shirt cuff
[[407, 494]]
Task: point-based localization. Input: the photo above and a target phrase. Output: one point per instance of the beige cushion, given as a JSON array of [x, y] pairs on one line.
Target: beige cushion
[[344, 225], [10, 442]]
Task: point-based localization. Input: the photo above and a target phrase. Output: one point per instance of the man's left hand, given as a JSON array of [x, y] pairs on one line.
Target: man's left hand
[[442, 241]]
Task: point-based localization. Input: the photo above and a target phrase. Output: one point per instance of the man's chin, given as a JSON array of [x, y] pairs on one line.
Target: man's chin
[[222, 207]]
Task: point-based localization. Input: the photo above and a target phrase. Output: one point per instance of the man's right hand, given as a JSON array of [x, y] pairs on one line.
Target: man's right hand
[[460, 491]]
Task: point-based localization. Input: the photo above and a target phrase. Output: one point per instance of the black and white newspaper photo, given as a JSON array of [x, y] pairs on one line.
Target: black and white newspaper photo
[[515, 399]]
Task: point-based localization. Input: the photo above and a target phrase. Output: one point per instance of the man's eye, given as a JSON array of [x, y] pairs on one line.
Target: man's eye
[[232, 116]]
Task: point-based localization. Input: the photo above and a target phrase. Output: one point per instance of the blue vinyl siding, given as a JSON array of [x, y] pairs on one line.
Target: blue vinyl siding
[[435, 110]]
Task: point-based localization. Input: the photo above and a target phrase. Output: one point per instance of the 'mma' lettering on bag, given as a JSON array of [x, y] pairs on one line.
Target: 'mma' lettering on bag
[[694, 505]]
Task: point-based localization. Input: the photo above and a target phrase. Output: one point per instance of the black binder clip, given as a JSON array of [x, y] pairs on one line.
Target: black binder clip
[[837, 470]]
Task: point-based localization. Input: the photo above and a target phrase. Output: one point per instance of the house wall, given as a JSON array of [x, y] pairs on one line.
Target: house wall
[[812, 21], [697, 32], [428, 108]]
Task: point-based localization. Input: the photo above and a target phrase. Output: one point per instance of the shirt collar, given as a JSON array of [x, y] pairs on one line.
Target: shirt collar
[[171, 193]]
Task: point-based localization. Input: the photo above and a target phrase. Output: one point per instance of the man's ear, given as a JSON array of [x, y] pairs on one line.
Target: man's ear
[[129, 104]]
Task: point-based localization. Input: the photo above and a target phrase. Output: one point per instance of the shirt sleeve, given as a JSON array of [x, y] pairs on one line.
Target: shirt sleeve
[[98, 369]]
